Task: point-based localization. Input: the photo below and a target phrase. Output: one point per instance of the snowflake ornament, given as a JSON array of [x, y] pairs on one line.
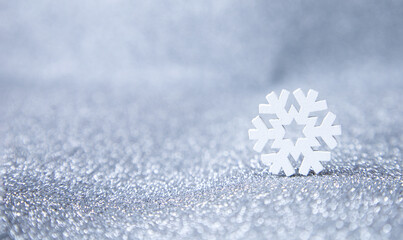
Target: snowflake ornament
[[304, 145]]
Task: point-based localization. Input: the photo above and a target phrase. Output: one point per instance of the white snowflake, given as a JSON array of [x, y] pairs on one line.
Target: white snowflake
[[303, 146]]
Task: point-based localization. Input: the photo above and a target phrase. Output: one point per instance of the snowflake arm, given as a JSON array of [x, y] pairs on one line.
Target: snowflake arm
[[312, 158], [307, 105], [262, 134], [326, 130], [279, 160], [277, 106]]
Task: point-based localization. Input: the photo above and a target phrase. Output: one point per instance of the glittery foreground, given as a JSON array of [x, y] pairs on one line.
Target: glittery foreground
[[123, 161]]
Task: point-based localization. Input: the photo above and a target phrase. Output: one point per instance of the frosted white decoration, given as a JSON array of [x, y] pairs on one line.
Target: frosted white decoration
[[304, 145]]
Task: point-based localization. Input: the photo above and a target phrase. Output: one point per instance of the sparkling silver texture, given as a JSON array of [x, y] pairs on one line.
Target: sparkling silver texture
[[129, 119], [130, 162]]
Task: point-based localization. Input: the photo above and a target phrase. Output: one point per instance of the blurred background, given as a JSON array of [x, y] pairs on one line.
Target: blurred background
[[254, 41], [129, 119]]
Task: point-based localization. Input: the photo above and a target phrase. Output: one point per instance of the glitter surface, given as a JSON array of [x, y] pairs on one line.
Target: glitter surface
[[132, 161], [129, 119]]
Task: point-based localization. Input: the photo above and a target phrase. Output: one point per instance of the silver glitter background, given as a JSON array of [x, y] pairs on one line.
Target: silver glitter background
[[116, 126]]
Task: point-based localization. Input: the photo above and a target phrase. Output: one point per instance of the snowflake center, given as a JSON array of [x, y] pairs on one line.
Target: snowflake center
[[293, 131]]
